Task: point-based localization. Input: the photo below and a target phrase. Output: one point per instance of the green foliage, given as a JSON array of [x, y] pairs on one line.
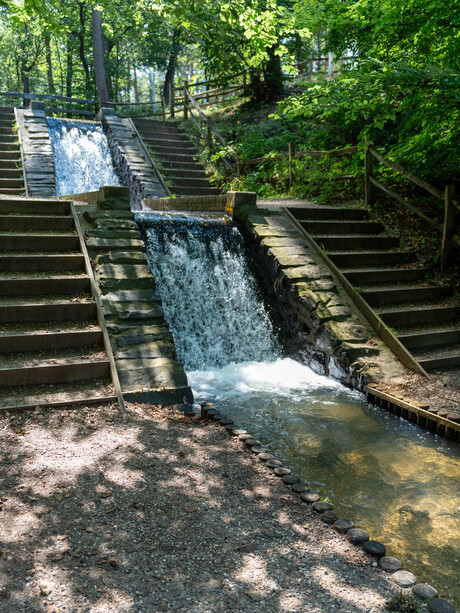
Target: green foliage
[[403, 603]]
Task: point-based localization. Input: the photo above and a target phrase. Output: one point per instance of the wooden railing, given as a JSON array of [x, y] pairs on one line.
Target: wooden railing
[[447, 195], [57, 110]]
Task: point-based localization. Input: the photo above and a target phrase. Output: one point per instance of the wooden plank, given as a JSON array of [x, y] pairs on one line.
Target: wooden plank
[[69, 402], [413, 408], [448, 228], [309, 153], [401, 200], [100, 313], [47, 97], [396, 167]]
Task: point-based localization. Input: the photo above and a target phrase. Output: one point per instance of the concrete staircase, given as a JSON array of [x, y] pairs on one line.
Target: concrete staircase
[[51, 344], [11, 176], [424, 316], [177, 158]]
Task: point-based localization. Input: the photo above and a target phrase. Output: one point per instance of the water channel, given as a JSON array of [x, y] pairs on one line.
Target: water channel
[[82, 158], [395, 480]]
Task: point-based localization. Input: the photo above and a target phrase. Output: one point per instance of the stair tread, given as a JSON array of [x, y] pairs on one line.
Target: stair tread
[[58, 394]]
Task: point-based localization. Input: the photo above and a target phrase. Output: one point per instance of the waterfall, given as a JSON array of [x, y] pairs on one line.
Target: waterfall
[[209, 296], [81, 155]]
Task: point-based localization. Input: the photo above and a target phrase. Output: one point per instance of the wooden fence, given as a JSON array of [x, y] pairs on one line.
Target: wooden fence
[[447, 195], [57, 110]]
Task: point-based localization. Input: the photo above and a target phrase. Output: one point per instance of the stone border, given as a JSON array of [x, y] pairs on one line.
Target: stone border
[[424, 592]]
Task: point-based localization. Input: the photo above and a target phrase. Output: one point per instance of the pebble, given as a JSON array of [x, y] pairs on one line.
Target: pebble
[[255, 596], [404, 578], [439, 605], [320, 507], [250, 442], [425, 591], [266, 456], [343, 525], [243, 437], [356, 536], [258, 449], [44, 589], [375, 548], [238, 432], [274, 464], [390, 564]]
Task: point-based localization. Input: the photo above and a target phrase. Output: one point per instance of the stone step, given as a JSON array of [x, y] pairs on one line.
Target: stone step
[[328, 213], [384, 296], [96, 391], [7, 130], [8, 183], [62, 310], [49, 373], [352, 259], [163, 150], [430, 338], [169, 143], [170, 134], [52, 285], [178, 168], [196, 191], [13, 164], [6, 146], [420, 316], [39, 242], [36, 263], [441, 358], [11, 137], [185, 173], [50, 208], [343, 227], [36, 222], [42, 341], [12, 191], [11, 154], [11, 172], [188, 182], [178, 158], [371, 276], [356, 242]]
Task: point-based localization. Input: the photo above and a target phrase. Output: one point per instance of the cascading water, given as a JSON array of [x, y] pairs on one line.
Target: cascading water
[[400, 481], [81, 157]]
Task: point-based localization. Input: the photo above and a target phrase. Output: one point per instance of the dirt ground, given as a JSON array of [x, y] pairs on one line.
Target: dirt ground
[[159, 512]]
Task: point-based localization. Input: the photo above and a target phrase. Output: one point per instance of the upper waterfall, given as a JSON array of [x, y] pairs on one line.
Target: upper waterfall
[[81, 157]]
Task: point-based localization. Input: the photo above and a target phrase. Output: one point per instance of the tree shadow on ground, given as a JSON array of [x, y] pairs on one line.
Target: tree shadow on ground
[[156, 512]]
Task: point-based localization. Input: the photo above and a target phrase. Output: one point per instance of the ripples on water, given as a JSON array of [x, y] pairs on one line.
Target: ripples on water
[[81, 156], [396, 480]]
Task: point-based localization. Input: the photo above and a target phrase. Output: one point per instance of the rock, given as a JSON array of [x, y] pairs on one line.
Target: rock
[[282, 470], [266, 456], [245, 548], [375, 548], [274, 464], [255, 596], [320, 507], [299, 488], [328, 517], [343, 525], [439, 605], [425, 591], [250, 442], [231, 428], [44, 589], [258, 449], [238, 432], [390, 564], [356, 536], [245, 436], [309, 497], [290, 479], [404, 578]]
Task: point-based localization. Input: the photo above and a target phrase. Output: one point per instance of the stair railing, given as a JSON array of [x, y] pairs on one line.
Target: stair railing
[[209, 130], [447, 195]]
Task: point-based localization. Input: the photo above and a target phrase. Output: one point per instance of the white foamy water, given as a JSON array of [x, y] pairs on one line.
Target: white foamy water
[[81, 156]]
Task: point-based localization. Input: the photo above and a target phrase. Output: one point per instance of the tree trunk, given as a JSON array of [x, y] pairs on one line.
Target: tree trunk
[[108, 71], [81, 49], [171, 70], [271, 86], [49, 64], [69, 66], [98, 50], [136, 89]]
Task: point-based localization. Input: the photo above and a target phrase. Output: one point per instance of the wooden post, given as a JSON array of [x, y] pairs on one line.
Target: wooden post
[[163, 107], [448, 226], [209, 135], [185, 94], [171, 100], [291, 157], [368, 187]]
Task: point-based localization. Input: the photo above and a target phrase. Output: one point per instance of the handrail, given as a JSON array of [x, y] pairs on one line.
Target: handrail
[[47, 97], [447, 229], [100, 313]]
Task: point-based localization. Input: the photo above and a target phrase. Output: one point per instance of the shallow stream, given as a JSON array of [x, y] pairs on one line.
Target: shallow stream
[[392, 478]]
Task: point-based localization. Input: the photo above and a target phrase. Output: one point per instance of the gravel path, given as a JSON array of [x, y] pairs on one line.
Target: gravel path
[[158, 512]]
